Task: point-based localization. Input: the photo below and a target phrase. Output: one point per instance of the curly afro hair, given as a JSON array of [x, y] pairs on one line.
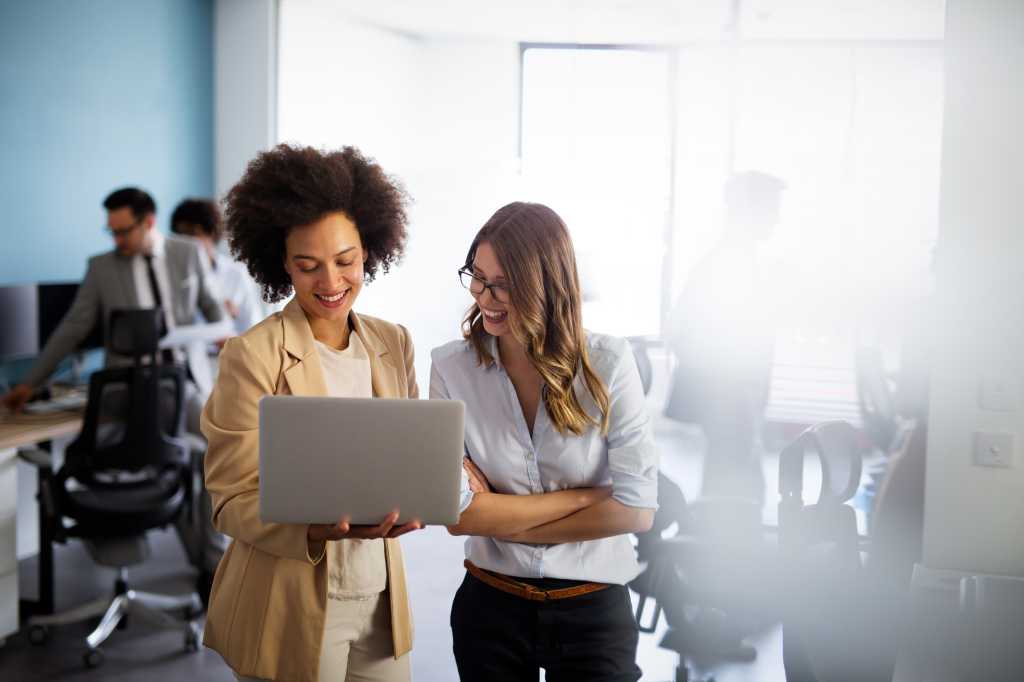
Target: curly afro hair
[[290, 186]]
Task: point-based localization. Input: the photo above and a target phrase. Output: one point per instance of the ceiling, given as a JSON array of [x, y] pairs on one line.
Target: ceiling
[[652, 21]]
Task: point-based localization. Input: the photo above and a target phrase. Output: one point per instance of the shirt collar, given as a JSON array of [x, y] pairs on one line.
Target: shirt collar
[[298, 336], [159, 244], [219, 259], [492, 346]]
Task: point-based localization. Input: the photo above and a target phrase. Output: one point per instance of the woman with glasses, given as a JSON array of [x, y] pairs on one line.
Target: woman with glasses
[[321, 601], [560, 467]]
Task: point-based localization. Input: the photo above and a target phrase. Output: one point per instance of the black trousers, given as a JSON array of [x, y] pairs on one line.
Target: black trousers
[[499, 637]]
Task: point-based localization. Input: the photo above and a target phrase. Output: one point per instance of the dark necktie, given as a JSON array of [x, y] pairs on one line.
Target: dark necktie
[[166, 354], [155, 289]]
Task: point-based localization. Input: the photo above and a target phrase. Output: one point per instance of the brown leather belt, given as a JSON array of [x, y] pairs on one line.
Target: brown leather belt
[[527, 591]]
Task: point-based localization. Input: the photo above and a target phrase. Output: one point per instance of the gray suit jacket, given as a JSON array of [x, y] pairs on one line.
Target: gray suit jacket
[[109, 285]]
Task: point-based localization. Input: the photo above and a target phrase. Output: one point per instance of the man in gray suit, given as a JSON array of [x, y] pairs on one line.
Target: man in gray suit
[[145, 270]]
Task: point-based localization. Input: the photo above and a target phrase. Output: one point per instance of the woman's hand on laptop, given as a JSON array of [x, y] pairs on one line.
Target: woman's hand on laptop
[[343, 530]]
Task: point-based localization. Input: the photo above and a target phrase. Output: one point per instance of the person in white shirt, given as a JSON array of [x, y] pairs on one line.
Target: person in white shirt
[[722, 335], [561, 464], [200, 219]]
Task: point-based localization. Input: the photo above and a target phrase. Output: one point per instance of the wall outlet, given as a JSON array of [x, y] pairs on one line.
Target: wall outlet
[[993, 449]]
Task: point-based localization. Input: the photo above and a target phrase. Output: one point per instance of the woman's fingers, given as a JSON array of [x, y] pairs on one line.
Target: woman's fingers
[[478, 483], [471, 467], [415, 524], [389, 522], [328, 531], [343, 529], [371, 532], [474, 482]]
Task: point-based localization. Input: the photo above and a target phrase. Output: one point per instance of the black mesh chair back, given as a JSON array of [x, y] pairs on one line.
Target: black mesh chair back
[[821, 550], [127, 470], [829, 520], [835, 443]]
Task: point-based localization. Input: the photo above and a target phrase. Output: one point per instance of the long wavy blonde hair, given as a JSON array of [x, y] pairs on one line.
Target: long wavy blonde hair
[[533, 247]]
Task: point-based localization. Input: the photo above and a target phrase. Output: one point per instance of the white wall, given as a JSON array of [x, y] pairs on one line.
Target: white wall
[[975, 516], [343, 82], [440, 115], [461, 168], [245, 78]]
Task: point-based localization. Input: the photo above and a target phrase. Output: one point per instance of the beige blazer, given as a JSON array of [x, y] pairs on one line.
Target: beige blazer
[[269, 598]]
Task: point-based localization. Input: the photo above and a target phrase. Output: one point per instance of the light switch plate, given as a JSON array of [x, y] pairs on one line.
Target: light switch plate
[[993, 449], [997, 394]]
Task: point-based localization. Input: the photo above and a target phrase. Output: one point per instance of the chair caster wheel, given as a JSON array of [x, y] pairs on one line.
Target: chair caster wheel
[[38, 634], [92, 658], [192, 638]]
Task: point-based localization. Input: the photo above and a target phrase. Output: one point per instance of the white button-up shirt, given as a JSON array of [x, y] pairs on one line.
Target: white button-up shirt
[[238, 287], [143, 288], [499, 443]]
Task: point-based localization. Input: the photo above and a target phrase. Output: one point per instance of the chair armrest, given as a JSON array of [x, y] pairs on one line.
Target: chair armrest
[[41, 459]]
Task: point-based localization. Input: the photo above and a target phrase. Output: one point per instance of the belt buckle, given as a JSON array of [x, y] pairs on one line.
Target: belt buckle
[[535, 593]]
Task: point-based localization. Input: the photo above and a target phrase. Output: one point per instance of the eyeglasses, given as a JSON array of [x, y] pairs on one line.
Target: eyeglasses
[[118, 232], [476, 286]]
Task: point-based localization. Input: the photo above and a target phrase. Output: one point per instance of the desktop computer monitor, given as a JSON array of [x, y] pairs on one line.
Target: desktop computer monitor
[[55, 299], [19, 321]]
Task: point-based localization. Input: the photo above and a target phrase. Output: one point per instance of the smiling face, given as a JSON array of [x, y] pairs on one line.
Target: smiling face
[[325, 263], [495, 312]]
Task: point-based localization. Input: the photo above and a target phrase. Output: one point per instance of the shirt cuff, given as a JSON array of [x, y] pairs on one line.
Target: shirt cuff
[[634, 471], [465, 499]]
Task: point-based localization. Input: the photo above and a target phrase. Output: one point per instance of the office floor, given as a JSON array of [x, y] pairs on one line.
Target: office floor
[[435, 561], [141, 653]]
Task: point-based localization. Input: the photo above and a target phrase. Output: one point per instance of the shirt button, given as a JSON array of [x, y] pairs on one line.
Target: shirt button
[[529, 456]]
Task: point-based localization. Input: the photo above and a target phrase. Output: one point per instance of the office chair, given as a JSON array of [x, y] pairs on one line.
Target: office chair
[[699, 577], [712, 578], [126, 473], [838, 624]]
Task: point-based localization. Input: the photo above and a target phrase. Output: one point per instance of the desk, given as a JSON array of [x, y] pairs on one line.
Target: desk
[[20, 431], [949, 642]]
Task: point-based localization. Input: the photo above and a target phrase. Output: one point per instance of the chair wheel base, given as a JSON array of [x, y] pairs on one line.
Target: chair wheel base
[[92, 658], [38, 635], [683, 675], [192, 638], [204, 583]]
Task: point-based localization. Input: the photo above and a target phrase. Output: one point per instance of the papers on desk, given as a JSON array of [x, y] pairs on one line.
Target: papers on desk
[[187, 335], [70, 401]]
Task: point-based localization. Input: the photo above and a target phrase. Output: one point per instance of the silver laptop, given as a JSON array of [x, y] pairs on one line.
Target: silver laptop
[[325, 458]]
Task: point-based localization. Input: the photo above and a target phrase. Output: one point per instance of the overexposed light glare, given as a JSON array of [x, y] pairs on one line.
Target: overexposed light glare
[[596, 145], [632, 147]]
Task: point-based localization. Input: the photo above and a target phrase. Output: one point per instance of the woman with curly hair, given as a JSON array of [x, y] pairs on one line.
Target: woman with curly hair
[[560, 465], [307, 602]]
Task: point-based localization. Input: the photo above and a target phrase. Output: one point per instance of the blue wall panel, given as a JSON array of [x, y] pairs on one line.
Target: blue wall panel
[[95, 95]]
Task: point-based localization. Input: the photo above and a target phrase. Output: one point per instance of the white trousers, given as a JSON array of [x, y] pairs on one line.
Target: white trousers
[[357, 644]]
